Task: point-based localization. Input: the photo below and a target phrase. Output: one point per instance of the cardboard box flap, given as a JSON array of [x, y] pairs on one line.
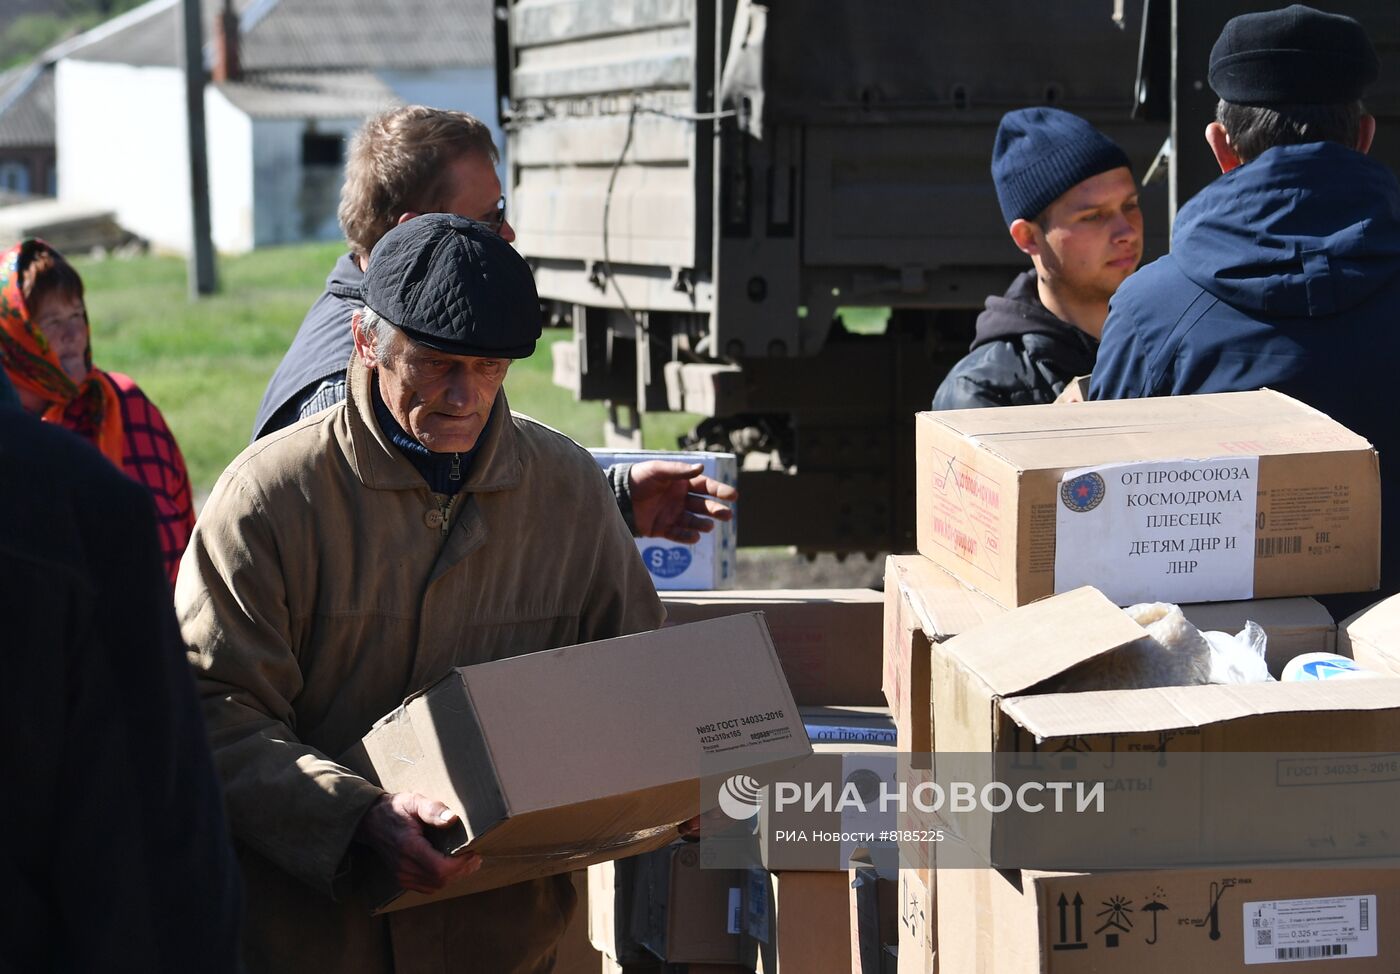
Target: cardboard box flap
[[1260, 407], [400, 756], [1372, 636], [1262, 423], [1024, 647], [1055, 450], [942, 605], [1174, 708]]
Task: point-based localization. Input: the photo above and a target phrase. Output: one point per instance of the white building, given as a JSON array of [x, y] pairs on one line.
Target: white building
[[302, 75]]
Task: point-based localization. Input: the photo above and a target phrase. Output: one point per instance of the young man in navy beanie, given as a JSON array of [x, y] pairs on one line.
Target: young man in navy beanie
[[1071, 204], [1284, 272]]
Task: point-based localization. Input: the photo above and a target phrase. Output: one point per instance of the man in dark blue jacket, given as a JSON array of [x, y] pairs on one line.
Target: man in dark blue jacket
[[1284, 272], [1071, 205]]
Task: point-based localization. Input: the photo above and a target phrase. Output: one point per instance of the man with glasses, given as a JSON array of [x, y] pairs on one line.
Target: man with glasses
[[414, 160], [402, 163]]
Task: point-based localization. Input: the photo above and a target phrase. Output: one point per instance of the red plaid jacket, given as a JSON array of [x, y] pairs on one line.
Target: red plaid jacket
[[153, 458]]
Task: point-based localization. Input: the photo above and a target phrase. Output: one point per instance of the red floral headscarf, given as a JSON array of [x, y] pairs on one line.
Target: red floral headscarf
[[89, 407]]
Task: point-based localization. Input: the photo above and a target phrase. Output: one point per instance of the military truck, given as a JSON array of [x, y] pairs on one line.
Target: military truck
[[715, 194]]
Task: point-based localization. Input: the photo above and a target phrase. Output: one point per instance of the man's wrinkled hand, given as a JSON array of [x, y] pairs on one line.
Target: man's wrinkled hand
[[676, 501], [394, 827]]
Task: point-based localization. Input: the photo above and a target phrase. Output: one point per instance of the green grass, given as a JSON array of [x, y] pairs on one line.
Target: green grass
[[205, 364], [865, 321]]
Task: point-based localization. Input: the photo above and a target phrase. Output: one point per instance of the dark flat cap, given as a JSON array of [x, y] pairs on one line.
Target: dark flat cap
[[1293, 56], [454, 285]]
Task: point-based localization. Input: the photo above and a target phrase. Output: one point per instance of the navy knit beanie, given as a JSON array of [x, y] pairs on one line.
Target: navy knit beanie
[[1040, 153]]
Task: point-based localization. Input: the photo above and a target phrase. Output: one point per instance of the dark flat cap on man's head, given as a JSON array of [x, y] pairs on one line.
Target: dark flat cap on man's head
[[454, 285], [1293, 56], [1042, 153]]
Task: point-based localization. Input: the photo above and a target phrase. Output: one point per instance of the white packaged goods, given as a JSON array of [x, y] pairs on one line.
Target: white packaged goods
[[708, 564], [1312, 667]]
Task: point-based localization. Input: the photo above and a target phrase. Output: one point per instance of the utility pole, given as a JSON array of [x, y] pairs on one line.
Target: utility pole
[[202, 276]]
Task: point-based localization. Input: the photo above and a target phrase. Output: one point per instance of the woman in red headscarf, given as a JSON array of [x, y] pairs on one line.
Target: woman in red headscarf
[[47, 352]]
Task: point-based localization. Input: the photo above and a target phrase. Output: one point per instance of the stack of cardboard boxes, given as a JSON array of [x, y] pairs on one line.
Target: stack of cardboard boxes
[[1034, 525], [808, 913]]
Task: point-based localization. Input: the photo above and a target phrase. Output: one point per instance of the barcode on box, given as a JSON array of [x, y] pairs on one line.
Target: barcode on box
[[1268, 547], [1313, 929], [1311, 953]]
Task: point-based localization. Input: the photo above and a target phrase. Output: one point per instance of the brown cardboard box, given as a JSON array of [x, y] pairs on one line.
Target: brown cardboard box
[[1294, 626], [874, 915], [1195, 773], [1169, 921], [560, 759], [1372, 636], [918, 922], [923, 605], [684, 913], [989, 492], [828, 640], [797, 921]]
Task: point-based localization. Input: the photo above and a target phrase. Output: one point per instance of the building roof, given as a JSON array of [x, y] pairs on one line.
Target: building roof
[[300, 58], [26, 106], [311, 35], [371, 34], [310, 94], [148, 36]]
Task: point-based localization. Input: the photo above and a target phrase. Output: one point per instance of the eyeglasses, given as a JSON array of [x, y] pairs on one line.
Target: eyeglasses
[[498, 219]]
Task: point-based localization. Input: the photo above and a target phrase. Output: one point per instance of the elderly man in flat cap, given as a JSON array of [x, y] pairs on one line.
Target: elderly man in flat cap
[[354, 557], [1285, 271]]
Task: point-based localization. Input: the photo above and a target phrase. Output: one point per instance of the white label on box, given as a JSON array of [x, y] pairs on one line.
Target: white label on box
[[736, 911], [711, 562], [1322, 928], [1159, 531]]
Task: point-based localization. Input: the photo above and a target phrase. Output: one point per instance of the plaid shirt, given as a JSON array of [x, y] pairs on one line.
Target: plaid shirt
[[151, 457]]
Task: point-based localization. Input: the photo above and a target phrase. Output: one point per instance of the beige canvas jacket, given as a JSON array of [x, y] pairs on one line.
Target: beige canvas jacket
[[319, 589]]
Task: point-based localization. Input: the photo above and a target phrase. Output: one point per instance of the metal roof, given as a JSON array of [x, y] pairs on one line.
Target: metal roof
[[371, 34], [26, 106], [310, 94], [315, 35]]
